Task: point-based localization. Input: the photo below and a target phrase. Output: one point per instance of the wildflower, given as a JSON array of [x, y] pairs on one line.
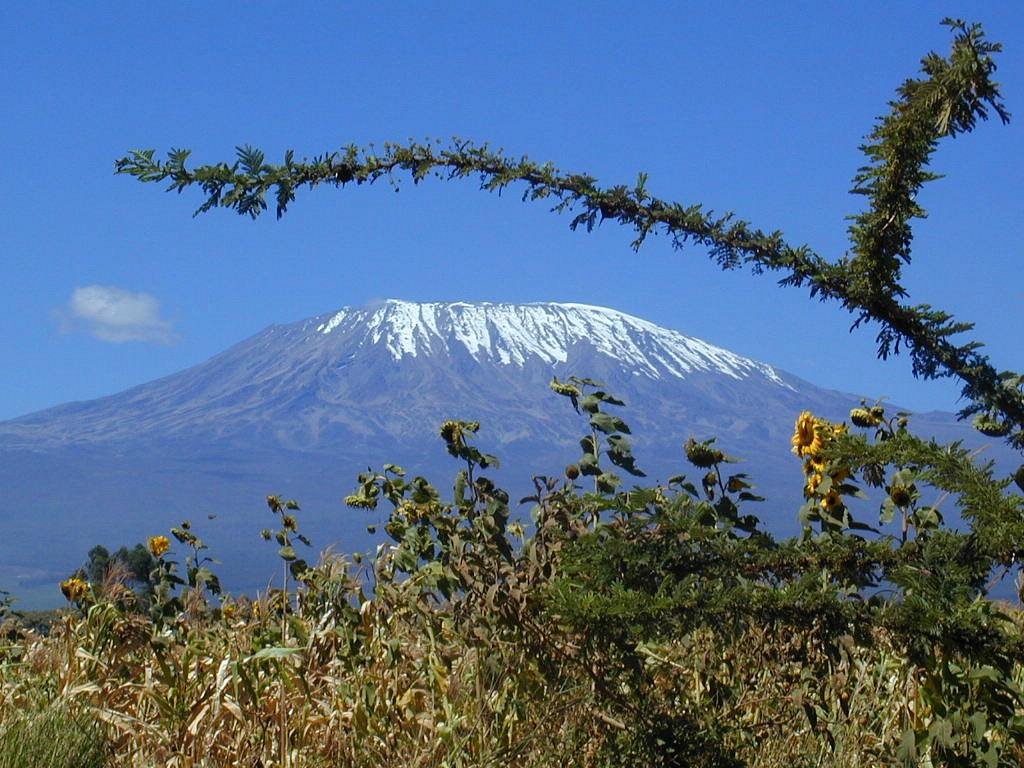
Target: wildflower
[[74, 589], [414, 512], [290, 523], [831, 501], [901, 495], [709, 482], [229, 611], [988, 425], [158, 545], [360, 502], [862, 417], [701, 454], [814, 466], [807, 435], [813, 481], [562, 388], [839, 475]]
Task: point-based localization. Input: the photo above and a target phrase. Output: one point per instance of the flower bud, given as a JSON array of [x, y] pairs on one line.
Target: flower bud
[[901, 495]]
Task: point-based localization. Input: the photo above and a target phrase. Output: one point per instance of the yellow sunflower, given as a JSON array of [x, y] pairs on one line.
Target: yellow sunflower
[[158, 545], [807, 435], [813, 481], [74, 589], [831, 501], [815, 465]]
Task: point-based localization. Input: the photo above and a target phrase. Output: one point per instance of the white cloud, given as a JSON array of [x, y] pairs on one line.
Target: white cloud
[[114, 314]]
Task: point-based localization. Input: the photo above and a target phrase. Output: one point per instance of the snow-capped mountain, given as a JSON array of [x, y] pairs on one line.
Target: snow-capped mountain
[[392, 371], [512, 334], [300, 409]]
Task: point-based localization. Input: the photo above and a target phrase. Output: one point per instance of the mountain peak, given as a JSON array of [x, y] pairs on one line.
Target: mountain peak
[[512, 334]]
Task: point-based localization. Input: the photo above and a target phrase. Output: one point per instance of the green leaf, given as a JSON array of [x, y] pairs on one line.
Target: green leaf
[[461, 484], [979, 724], [606, 398], [625, 460], [608, 424], [298, 568], [287, 553], [907, 750], [887, 511]]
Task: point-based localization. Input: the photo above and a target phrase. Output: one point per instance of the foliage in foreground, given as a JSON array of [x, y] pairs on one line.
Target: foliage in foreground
[[655, 625]]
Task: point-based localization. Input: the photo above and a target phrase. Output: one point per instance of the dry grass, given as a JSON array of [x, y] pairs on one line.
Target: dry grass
[[395, 681]]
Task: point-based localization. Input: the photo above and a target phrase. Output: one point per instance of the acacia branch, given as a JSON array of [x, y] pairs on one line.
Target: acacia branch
[[955, 93]]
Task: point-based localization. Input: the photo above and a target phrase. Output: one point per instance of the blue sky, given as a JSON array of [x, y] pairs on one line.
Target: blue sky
[[752, 107]]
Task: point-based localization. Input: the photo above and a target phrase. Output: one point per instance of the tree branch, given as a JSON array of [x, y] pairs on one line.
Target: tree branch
[[955, 92]]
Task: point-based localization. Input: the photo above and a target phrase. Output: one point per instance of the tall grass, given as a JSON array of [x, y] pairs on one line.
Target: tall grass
[[398, 681], [52, 738]]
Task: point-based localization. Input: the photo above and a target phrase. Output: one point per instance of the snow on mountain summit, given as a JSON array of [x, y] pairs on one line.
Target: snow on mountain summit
[[511, 334]]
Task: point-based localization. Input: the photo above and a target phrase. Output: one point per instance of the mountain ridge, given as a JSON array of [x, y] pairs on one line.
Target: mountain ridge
[[272, 371]]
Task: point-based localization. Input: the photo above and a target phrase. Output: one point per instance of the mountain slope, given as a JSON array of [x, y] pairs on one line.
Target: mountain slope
[[301, 383]]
